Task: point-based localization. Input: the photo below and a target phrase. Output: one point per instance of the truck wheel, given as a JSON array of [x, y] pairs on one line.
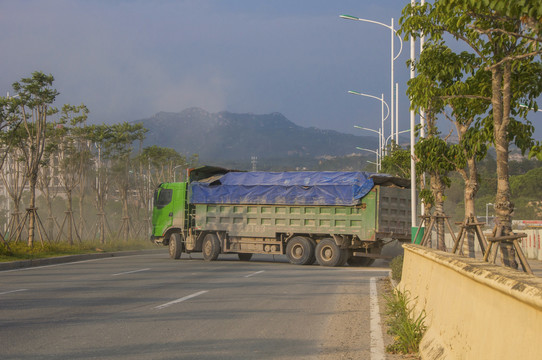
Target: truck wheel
[[360, 261], [245, 257], [210, 247], [300, 250], [175, 246], [328, 253]]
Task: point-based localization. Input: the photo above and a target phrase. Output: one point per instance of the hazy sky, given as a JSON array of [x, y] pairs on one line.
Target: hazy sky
[[127, 60]]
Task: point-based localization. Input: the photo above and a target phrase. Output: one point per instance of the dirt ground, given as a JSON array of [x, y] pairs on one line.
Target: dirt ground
[[349, 325]]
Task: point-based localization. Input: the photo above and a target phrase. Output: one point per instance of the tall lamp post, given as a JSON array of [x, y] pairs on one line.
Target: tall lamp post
[[379, 152], [391, 137], [413, 198], [378, 160], [383, 117], [394, 57]]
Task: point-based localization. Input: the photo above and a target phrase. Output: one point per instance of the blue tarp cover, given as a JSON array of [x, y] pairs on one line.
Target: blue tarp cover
[[288, 188]]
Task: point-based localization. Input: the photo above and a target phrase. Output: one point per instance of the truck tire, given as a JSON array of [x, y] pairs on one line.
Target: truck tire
[[328, 253], [245, 257], [175, 246], [300, 250], [210, 247]]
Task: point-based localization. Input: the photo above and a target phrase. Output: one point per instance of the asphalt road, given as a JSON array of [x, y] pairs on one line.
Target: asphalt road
[[152, 307]]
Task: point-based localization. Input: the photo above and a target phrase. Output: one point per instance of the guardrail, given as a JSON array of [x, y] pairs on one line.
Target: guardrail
[[474, 310]]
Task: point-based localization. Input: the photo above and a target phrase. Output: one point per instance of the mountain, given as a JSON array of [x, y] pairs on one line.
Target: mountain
[[226, 137]]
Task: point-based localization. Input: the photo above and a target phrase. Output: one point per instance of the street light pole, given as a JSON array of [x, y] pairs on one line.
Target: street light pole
[[394, 57], [383, 117], [378, 161], [413, 198], [391, 136], [380, 143]]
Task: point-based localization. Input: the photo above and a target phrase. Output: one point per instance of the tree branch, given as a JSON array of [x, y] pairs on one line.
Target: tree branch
[[511, 58]]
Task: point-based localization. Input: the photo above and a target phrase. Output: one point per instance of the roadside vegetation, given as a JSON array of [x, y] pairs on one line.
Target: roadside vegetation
[[20, 251], [70, 187], [406, 328]]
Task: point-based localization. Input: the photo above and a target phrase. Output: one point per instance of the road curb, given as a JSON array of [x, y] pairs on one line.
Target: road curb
[[70, 258]]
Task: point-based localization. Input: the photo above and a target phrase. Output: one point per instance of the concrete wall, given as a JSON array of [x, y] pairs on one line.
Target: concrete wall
[[474, 310]]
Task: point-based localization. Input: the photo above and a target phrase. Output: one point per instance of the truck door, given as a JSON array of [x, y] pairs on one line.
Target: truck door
[[162, 214]]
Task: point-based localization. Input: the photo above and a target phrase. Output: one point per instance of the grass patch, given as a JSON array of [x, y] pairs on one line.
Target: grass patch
[[20, 250], [406, 328]]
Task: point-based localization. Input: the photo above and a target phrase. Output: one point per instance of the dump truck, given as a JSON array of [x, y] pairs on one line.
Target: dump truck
[[331, 218]]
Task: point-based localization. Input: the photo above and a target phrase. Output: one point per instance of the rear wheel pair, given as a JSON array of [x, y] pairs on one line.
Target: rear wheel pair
[[328, 253], [300, 250]]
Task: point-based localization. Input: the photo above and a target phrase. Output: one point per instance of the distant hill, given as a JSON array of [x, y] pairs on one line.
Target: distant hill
[[226, 137]]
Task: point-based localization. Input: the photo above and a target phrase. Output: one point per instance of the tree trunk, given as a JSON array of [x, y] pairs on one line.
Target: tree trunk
[[471, 188], [69, 215], [125, 216], [102, 222], [81, 221], [501, 78], [32, 207], [437, 187]]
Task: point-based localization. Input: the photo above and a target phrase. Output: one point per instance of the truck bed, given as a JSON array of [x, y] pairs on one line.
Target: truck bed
[[265, 221]]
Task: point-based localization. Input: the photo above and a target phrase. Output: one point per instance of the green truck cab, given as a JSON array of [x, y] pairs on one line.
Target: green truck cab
[[169, 209], [331, 235]]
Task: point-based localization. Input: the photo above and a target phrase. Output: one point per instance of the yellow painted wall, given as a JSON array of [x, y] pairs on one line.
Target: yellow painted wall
[[474, 310]]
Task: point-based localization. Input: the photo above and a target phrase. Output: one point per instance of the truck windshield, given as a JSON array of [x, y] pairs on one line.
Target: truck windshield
[[164, 198]]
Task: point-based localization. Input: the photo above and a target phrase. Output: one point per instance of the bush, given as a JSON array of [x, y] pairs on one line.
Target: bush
[[396, 266]]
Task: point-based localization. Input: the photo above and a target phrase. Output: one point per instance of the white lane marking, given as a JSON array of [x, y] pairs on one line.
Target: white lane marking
[[12, 291], [131, 272], [67, 263], [180, 300], [377, 341], [255, 273], [60, 264]]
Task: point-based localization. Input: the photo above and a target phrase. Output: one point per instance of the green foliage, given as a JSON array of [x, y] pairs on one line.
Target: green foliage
[[406, 328], [527, 184], [396, 266], [397, 162], [502, 69]]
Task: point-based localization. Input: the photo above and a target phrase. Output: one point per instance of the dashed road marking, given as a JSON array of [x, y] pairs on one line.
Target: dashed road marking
[[131, 272], [254, 273], [12, 291], [180, 300]]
